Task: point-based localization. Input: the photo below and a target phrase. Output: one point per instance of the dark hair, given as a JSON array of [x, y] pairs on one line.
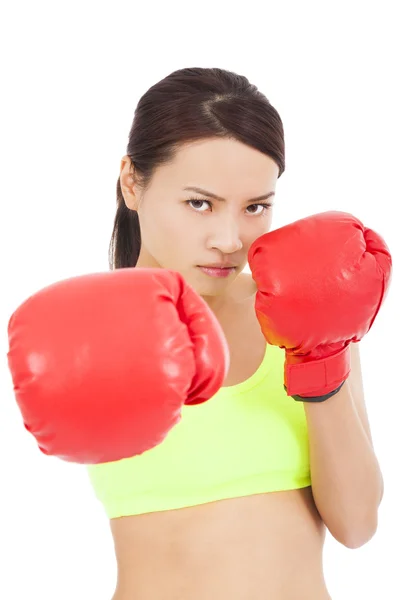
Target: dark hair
[[186, 106]]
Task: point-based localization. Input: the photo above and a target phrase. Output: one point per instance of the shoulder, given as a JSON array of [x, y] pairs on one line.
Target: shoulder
[[244, 287]]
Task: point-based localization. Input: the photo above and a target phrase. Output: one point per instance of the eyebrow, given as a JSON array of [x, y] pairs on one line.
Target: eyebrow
[[211, 195]]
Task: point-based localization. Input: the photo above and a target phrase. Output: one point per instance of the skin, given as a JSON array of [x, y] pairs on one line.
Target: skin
[[251, 548], [203, 235]]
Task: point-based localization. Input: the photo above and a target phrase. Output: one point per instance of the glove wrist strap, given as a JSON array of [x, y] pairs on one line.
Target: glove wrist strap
[[317, 398], [316, 378]]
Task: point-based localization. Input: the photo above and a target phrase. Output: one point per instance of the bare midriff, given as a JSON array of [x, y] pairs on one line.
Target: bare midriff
[[266, 546]]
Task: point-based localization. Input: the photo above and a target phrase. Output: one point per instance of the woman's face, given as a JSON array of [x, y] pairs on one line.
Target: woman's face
[[183, 229]]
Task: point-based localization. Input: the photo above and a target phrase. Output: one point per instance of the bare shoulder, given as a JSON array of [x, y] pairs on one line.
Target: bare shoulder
[[244, 287]]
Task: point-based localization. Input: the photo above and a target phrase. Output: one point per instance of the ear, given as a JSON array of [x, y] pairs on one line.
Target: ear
[[128, 183]]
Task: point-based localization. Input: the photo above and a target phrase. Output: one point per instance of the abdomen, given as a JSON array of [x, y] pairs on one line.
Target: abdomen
[[250, 548]]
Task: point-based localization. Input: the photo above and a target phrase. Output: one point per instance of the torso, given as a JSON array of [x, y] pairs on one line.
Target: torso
[[250, 548]]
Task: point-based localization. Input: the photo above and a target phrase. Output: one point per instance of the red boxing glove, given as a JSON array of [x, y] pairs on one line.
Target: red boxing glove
[[103, 363], [321, 282]]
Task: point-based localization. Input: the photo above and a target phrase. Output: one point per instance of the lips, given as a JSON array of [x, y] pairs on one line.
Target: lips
[[219, 266], [217, 271]]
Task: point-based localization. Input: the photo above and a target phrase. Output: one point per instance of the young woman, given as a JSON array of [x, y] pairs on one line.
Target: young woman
[[232, 500], [224, 508]]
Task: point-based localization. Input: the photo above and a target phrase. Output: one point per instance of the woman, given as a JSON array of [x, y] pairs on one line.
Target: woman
[[224, 507], [232, 500]]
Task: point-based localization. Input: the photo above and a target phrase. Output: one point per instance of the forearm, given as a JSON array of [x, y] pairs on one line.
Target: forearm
[[346, 478]]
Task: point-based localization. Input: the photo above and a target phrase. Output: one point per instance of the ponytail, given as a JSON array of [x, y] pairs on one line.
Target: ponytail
[[126, 239]]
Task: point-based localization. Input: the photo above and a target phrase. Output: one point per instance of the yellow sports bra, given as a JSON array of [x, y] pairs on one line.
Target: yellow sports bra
[[249, 438]]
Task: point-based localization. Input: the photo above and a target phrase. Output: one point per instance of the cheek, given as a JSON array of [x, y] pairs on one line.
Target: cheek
[[266, 224], [259, 228], [175, 231], [167, 236]]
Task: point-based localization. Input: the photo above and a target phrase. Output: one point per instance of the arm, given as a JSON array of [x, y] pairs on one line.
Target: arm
[[321, 281], [346, 478]]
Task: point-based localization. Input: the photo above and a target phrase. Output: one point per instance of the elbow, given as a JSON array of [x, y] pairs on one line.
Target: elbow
[[356, 542], [355, 536]]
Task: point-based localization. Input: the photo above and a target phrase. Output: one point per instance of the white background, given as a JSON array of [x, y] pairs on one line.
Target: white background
[[71, 77]]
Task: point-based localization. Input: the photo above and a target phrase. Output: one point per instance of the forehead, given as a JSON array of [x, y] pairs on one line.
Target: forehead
[[223, 164]]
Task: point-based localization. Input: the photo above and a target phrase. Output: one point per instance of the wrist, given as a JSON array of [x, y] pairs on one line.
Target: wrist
[[316, 398], [308, 378]]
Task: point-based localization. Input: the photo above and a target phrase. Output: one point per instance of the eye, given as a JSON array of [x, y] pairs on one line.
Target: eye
[[264, 206], [194, 200]]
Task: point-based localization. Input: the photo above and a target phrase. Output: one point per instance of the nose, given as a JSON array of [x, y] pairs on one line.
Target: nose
[[225, 236]]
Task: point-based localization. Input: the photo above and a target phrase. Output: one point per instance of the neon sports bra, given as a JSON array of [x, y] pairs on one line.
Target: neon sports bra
[[249, 438]]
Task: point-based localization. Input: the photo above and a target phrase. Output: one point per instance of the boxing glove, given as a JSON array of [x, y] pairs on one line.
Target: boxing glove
[[103, 363], [321, 282]]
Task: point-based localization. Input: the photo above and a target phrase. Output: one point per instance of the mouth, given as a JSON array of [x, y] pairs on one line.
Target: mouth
[[217, 271]]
